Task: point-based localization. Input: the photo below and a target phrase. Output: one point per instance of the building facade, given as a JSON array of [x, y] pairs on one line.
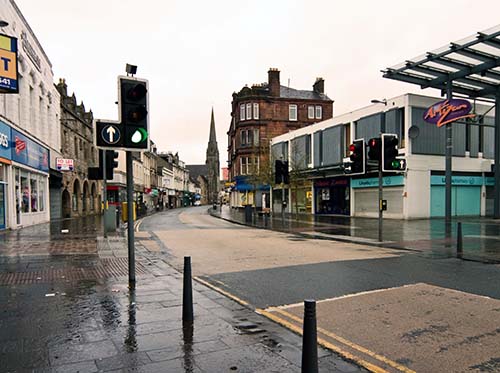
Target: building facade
[[29, 131], [258, 114], [416, 193], [79, 195]]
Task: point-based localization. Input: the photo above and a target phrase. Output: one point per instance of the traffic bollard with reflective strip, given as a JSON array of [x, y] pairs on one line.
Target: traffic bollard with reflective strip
[[187, 293], [460, 248], [309, 339]]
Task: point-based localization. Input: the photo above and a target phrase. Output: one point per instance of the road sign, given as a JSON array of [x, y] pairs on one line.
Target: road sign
[[109, 134]]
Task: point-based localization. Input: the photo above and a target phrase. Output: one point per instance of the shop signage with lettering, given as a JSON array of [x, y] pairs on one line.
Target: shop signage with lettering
[[372, 182], [331, 182], [28, 152], [458, 180], [65, 164], [448, 111], [8, 65], [5, 136]]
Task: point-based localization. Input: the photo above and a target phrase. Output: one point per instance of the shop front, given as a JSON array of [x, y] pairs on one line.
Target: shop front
[[332, 196]]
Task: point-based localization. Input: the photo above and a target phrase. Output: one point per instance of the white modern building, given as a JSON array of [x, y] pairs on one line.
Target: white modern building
[[317, 152], [29, 128]]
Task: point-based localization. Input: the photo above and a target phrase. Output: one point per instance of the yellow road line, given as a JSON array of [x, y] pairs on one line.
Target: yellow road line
[[371, 367], [349, 343], [223, 292], [137, 225]]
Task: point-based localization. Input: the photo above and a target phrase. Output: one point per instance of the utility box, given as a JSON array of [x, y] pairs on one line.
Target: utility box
[[110, 218], [125, 211]]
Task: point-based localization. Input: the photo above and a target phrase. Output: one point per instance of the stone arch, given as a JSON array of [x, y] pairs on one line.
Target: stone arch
[[66, 204], [75, 197], [85, 197]]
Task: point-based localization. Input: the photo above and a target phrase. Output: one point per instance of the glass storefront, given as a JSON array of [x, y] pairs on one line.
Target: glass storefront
[[30, 191], [332, 196]]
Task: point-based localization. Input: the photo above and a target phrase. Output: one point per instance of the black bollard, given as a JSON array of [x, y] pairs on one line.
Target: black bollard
[[460, 248], [309, 339], [187, 294]]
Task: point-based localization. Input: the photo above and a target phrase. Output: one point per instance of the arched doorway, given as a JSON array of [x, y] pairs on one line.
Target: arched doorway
[[75, 200], [93, 193], [66, 204], [85, 197]]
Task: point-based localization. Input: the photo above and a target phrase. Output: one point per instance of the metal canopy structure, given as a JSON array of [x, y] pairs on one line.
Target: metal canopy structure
[[469, 67]]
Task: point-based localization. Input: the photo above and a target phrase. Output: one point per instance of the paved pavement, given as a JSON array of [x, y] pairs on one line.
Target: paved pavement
[[70, 310], [481, 236]]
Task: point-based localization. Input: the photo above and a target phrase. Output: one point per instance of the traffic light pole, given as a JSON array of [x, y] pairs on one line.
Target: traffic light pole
[[380, 197], [130, 221], [104, 194]]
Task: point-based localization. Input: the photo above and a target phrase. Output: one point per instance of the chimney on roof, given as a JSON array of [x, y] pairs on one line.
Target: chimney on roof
[[319, 86], [274, 82]]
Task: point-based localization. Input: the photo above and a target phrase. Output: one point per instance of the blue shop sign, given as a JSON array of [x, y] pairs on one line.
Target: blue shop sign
[[489, 181], [5, 140], [372, 182], [28, 152], [458, 180]]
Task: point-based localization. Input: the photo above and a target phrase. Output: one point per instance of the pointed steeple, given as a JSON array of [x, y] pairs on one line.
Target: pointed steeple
[[213, 138]]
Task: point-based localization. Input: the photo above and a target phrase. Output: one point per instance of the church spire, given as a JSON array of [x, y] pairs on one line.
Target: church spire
[[212, 139]]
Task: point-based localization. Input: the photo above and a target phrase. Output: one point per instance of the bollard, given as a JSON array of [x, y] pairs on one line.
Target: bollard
[[460, 248], [187, 293], [309, 339]]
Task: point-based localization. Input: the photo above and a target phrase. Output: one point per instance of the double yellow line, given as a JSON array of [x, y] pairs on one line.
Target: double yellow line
[[271, 314]]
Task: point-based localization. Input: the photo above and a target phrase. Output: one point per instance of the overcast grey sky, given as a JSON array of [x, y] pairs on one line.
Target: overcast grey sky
[[197, 53]]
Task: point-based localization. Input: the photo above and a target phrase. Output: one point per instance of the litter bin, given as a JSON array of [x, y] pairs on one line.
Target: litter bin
[[248, 213]]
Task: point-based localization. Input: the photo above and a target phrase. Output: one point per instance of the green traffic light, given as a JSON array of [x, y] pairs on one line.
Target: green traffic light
[[396, 164], [140, 135]]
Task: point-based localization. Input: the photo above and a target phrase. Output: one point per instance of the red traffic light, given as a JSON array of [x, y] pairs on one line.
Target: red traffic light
[[137, 92], [352, 148]]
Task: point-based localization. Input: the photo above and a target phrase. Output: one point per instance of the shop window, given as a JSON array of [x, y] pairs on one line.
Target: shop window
[[25, 190], [34, 193], [41, 194], [292, 112], [310, 112]]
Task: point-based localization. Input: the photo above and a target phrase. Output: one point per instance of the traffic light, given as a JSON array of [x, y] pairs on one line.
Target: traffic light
[[390, 162], [281, 172], [111, 163], [375, 149], [357, 157], [133, 103]]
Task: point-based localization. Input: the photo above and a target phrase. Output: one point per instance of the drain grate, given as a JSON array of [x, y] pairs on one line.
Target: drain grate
[[105, 268]]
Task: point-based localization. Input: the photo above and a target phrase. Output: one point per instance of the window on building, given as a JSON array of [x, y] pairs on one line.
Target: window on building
[[255, 111], [243, 165], [347, 139], [292, 112], [41, 194], [308, 150], [242, 112], [25, 190], [76, 147], [319, 112], [249, 111], [34, 193], [310, 112], [256, 165], [256, 137], [243, 137]]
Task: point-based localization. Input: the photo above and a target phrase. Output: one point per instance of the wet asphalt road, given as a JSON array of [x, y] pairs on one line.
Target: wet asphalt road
[[292, 284]]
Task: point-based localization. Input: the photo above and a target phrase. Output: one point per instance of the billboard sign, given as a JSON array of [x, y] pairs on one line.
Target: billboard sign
[[9, 82], [448, 111]]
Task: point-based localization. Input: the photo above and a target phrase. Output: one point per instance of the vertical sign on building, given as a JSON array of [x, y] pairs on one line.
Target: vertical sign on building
[[8, 64]]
